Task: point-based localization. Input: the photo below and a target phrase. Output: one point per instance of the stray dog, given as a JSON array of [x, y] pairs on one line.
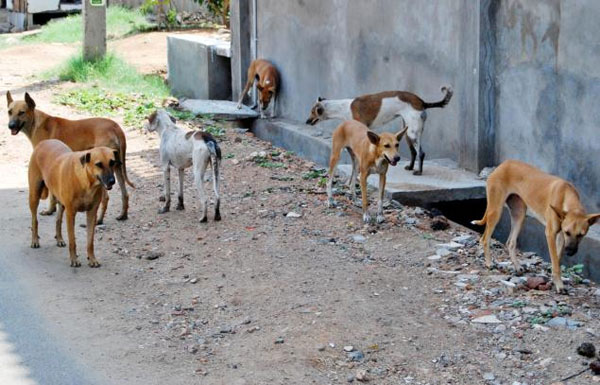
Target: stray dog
[[77, 180], [553, 201], [375, 110], [181, 150], [267, 82], [79, 135], [370, 153]]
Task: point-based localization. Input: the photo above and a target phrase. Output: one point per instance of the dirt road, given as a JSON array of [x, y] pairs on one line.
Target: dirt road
[[266, 297]]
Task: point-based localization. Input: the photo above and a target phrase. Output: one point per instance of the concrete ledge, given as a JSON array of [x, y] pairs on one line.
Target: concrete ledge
[[199, 67], [441, 181], [223, 109]]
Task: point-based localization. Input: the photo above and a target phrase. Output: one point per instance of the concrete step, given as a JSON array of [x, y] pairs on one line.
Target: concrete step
[[442, 179], [222, 109]]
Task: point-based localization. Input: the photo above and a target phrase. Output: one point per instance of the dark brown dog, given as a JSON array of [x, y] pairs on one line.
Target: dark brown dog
[[79, 135], [267, 83], [77, 180]]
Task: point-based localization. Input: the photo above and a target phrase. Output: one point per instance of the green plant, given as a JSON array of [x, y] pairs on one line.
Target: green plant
[[574, 272], [314, 174], [218, 8], [172, 16], [214, 130]]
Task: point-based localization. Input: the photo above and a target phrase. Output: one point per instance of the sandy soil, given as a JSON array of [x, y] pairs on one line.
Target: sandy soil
[[266, 298]]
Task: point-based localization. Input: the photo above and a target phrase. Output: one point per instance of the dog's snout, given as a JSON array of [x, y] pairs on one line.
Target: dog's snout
[[571, 250], [396, 158], [12, 124]]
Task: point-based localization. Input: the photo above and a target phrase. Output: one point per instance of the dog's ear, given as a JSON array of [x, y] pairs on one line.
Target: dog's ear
[[172, 119], [592, 218], [85, 158], [373, 137], [152, 117], [9, 99], [259, 87], [320, 99], [320, 109], [29, 100], [401, 133], [117, 159], [559, 212]]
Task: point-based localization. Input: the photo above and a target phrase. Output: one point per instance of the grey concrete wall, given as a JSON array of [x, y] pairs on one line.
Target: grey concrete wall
[[548, 88], [345, 48]]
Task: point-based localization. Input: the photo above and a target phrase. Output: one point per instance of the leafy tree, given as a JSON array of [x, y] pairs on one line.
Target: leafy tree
[[219, 8]]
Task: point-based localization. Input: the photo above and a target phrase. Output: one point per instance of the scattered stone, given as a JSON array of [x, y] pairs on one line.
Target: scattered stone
[[558, 322], [194, 280], [321, 348], [434, 257], [356, 356], [587, 349], [361, 375], [410, 221], [452, 246], [279, 340], [486, 319], [489, 376], [464, 239], [292, 214], [154, 255], [535, 282], [359, 238], [443, 252], [350, 378], [500, 329], [348, 348]]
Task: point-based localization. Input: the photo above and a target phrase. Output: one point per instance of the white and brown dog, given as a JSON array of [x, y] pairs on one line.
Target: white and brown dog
[[375, 110], [267, 82], [553, 201], [181, 150], [370, 153]]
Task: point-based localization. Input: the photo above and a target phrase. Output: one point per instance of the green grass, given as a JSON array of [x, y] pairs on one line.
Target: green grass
[[111, 88], [119, 22]]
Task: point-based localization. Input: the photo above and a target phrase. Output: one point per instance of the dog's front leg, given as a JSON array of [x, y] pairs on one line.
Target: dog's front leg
[[260, 110], [382, 180], [200, 162], [363, 192], [71, 233], [555, 259], [34, 201], [91, 227], [60, 242], [51, 206], [167, 189], [273, 105], [413, 154]]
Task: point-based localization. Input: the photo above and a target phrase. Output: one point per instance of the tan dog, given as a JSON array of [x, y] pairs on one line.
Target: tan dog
[[554, 202], [370, 153], [77, 180], [267, 83], [79, 135], [378, 109]]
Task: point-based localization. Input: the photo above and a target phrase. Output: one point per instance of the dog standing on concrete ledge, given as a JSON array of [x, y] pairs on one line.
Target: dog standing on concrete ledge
[[375, 110], [181, 150], [370, 153], [77, 180], [553, 201], [267, 83]]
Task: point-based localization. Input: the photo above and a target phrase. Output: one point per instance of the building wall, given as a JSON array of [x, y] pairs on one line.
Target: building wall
[[345, 48], [548, 88]]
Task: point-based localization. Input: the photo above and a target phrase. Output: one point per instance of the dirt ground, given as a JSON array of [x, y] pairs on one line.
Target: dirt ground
[[267, 297]]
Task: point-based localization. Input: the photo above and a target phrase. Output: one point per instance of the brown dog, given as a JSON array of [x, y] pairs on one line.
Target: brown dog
[[370, 153], [554, 202], [267, 83], [79, 135], [77, 180]]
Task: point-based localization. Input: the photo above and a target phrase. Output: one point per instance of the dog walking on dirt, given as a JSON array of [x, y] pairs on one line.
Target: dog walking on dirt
[[77, 181], [553, 201], [371, 153], [267, 83], [79, 135], [376, 110], [181, 150]]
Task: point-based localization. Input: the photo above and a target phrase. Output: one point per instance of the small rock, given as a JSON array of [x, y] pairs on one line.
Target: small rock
[[359, 238], [292, 214], [464, 239], [350, 378], [348, 348], [535, 282], [597, 293], [361, 375], [489, 376], [356, 356], [154, 255], [500, 329], [410, 221], [321, 348], [557, 322], [587, 349], [194, 280], [486, 319], [452, 246], [434, 257], [279, 340], [442, 252]]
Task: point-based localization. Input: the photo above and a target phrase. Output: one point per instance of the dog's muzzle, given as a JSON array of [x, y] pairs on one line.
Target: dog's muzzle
[[15, 126], [108, 182], [311, 122], [571, 250], [394, 161]]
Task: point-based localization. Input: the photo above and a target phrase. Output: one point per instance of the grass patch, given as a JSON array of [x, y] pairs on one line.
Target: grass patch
[[119, 22], [112, 87]]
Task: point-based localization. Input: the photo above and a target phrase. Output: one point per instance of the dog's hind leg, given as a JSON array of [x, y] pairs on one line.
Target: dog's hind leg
[[493, 212], [215, 168], [413, 154], [35, 188], [167, 189], [354, 175], [200, 162], [333, 160], [71, 234], [103, 207], [124, 195], [60, 242], [51, 206], [518, 209], [180, 196]]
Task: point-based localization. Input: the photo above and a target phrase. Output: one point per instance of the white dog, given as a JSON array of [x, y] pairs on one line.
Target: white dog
[[181, 150]]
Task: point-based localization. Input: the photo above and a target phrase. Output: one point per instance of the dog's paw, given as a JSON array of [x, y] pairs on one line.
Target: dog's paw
[[163, 210], [204, 220], [75, 263], [179, 206], [162, 198], [60, 243], [217, 216], [417, 172], [239, 106], [35, 244], [47, 212], [93, 263], [262, 116], [408, 167], [122, 217], [366, 218], [560, 288], [380, 218], [99, 222]]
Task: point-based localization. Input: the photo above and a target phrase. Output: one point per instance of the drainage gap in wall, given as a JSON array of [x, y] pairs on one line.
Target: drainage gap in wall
[[463, 212]]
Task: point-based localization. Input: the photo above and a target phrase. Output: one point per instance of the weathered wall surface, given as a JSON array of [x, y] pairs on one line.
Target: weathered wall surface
[[547, 86], [345, 48]]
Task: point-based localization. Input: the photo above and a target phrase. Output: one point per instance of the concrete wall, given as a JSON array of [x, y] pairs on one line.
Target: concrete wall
[[548, 88], [345, 48]]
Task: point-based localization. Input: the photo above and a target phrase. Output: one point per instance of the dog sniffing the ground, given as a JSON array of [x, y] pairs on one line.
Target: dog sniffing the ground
[[375, 110], [79, 135], [77, 181], [267, 82], [181, 150], [553, 201], [370, 153]]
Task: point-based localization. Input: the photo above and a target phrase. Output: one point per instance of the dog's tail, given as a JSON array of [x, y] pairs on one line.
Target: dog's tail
[[442, 103], [480, 222], [215, 159], [122, 152]]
